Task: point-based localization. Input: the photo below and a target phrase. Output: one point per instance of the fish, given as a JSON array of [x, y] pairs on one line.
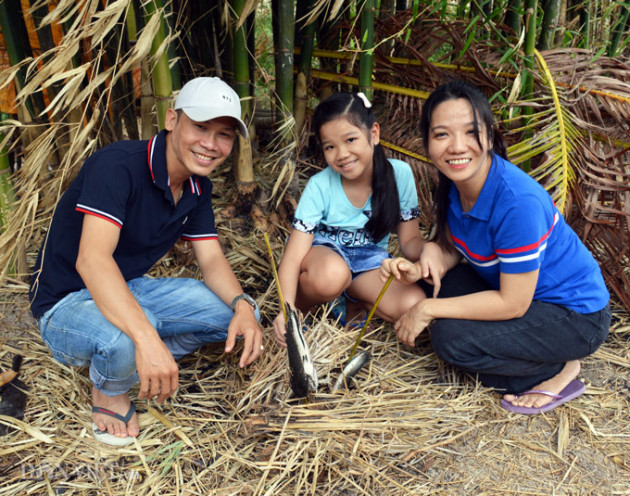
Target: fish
[[351, 369], [304, 380]]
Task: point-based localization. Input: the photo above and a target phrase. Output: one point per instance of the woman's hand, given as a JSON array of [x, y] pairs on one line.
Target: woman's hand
[[280, 329], [433, 266], [412, 323]]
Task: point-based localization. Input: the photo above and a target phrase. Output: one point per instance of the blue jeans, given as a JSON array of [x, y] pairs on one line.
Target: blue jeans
[[185, 313], [514, 355]]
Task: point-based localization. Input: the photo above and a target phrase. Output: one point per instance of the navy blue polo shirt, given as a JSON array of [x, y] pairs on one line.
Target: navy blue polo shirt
[[125, 183], [514, 227]]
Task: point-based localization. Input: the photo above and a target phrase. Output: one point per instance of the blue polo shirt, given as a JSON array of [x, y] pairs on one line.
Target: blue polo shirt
[[125, 183], [514, 227]]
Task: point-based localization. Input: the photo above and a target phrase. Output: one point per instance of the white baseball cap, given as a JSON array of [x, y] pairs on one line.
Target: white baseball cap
[[206, 98]]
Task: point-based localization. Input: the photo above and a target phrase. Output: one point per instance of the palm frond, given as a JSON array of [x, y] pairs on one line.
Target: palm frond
[[555, 137]]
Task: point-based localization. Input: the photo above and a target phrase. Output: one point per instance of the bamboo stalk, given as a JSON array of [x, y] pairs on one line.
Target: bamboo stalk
[[160, 72], [304, 68], [527, 87], [549, 23], [283, 41], [18, 48], [399, 90], [366, 59], [513, 15], [244, 170], [7, 196], [618, 30]]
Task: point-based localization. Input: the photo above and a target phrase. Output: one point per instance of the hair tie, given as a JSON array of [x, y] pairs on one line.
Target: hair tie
[[365, 100]]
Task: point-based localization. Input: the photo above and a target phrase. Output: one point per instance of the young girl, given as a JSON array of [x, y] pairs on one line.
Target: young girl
[[345, 215], [531, 300]]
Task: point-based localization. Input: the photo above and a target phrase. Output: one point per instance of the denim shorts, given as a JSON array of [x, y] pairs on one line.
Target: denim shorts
[[358, 258]]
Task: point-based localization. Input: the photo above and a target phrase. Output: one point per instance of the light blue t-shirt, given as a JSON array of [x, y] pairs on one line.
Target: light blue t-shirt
[[325, 210]]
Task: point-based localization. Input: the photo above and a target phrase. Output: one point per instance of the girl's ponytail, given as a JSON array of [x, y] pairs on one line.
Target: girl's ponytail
[[385, 204]]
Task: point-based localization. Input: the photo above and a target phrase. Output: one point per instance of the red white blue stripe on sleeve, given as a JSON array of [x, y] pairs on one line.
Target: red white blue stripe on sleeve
[[511, 255], [99, 213]]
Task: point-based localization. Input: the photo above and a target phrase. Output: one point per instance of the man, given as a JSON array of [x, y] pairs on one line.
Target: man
[[131, 201]]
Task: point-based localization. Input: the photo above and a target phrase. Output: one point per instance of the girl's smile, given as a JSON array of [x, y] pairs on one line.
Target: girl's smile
[[349, 149]]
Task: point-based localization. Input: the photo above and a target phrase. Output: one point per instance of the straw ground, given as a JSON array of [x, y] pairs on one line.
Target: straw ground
[[408, 426]]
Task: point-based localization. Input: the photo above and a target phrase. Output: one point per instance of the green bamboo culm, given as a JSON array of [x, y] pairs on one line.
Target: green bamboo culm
[[244, 171], [174, 64], [527, 88], [284, 35], [240, 55], [18, 48], [585, 24], [620, 28], [366, 59], [304, 67], [7, 194], [160, 72], [328, 38], [133, 23], [551, 9], [513, 15]]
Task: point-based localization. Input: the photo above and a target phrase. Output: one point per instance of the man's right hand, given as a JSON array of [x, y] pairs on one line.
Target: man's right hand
[[158, 371]]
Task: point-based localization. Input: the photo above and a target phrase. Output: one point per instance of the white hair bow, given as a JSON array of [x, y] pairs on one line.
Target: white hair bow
[[366, 102]]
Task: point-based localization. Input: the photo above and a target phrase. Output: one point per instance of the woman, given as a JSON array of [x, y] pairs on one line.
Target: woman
[[530, 301]]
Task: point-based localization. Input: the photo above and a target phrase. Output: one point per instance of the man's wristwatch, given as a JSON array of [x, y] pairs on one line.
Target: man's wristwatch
[[245, 297]]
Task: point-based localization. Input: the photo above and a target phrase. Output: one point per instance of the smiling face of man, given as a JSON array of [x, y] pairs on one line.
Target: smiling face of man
[[197, 147]]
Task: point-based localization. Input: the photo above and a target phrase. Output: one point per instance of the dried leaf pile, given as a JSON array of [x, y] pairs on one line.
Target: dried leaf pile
[[409, 424]]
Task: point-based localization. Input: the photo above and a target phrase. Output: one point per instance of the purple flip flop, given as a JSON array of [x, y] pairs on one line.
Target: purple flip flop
[[574, 389]]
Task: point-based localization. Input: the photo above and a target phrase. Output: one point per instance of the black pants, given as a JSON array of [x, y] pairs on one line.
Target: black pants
[[514, 355]]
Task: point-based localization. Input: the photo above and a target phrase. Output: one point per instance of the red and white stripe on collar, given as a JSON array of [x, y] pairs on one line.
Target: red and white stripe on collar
[[194, 183]]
